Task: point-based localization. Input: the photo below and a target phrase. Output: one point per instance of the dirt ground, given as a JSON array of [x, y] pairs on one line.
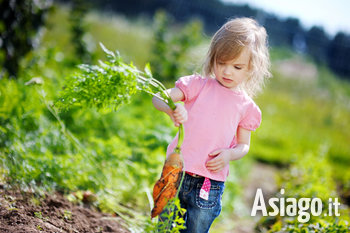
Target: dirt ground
[[26, 212]]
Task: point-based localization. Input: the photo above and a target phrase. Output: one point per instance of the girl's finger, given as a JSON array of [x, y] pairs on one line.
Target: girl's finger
[[213, 164], [178, 114], [180, 118], [215, 169]]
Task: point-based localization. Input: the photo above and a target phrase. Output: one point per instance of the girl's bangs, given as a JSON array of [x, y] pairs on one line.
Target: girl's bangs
[[228, 51]]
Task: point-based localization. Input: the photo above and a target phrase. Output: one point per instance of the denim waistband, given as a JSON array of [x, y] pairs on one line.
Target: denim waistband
[[201, 178]]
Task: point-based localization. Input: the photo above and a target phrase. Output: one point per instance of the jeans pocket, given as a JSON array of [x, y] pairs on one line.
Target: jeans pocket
[[213, 200]]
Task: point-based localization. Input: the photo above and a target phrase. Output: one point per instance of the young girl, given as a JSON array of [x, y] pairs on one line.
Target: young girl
[[218, 116]]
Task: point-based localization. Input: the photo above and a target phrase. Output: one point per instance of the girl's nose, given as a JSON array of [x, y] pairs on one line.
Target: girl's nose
[[227, 70]]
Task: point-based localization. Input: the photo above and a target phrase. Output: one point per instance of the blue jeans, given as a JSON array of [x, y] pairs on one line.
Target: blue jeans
[[200, 213]]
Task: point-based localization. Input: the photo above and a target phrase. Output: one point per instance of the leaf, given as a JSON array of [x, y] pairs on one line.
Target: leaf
[[108, 85], [148, 70], [110, 53]]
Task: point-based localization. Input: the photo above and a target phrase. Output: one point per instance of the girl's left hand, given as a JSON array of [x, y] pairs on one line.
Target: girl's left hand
[[223, 158]]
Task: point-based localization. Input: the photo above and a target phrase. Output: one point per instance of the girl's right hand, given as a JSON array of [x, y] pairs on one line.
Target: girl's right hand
[[179, 115]]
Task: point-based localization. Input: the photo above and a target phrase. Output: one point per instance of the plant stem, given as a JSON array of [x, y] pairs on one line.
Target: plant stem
[[180, 139], [181, 128]]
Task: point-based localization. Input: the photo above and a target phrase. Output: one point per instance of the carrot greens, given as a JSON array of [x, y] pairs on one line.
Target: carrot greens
[[111, 84]]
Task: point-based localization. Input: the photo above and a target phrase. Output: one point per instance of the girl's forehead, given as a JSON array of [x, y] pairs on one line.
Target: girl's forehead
[[242, 58]]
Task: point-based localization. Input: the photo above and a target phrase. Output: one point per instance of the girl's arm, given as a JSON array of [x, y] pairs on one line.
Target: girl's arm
[[243, 144], [179, 115], [224, 156]]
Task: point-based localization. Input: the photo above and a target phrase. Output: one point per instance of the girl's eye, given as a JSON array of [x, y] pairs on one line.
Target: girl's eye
[[238, 67]]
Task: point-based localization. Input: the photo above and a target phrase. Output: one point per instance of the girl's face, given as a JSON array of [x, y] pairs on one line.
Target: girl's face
[[233, 72]]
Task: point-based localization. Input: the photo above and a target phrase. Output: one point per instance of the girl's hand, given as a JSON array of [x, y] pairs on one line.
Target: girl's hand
[[223, 158], [179, 115]]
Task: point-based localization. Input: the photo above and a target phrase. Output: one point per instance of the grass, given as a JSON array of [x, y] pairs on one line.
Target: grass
[[301, 116]]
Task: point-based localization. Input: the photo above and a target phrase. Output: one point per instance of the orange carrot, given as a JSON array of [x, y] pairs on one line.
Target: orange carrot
[[174, 159], [166, 187], [158, 188], [167, 193]]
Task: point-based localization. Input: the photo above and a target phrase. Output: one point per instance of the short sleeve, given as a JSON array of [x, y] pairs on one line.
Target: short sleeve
[[252, 118], [190, 86]]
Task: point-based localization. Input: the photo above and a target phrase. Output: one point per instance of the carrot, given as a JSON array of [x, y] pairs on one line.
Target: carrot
[[166, 187], [167, 193], [170, 176], [158, 188], [174, 159]]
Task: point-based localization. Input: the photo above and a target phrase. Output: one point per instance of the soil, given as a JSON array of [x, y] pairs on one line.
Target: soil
[[27, 212]]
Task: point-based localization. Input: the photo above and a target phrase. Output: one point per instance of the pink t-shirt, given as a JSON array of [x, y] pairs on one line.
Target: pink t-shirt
[[214, 114]]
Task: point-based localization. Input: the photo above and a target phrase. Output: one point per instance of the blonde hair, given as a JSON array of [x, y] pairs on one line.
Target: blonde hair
[[229, 41]]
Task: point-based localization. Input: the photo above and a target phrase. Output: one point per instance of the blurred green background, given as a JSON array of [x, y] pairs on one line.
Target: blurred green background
[[302, 144]]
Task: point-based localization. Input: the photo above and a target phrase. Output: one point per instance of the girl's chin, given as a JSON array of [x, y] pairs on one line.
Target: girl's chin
[[229, 85]]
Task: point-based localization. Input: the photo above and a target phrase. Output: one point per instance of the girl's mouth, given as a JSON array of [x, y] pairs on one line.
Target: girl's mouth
[[227, 80]]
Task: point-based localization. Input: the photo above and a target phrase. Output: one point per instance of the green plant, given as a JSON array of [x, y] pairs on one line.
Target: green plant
[[40, 216], [109, 85], [171, 221], [309, 177], [67, 215], [322, 226], [40, 228]]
